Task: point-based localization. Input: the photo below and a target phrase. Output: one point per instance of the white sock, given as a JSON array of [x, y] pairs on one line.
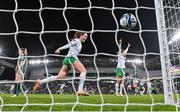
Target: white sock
[[117, 88], [82, 80], [49, 79], [121, 87]]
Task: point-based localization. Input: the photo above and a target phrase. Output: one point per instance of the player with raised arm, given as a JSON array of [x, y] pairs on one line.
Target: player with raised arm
[[21, 69], [70, 60], [120, 68]]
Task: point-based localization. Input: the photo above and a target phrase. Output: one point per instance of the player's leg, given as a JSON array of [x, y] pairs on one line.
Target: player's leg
[[61, 91], [18, 89], [12, 88], [122, 74], [129, 88], [23, 73], [20, 86], [119, 75], [80, 67], [135, 86], [121, 86], [24, 88], [17, 85], [118, 79], [143, 90], [62, 73]]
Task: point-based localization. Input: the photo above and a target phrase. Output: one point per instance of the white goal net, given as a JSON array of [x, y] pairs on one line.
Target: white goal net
[[171, 14], [42, 26]]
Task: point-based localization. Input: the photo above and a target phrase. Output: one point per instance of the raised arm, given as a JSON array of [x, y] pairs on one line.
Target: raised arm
[[120, 46], [126, 50]]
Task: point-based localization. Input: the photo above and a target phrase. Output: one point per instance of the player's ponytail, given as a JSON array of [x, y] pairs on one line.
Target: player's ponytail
[[78, 34]]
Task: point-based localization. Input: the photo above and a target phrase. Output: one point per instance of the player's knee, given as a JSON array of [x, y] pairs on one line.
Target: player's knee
[[83, 71], [117, 84], [118, 81], [61, 75]]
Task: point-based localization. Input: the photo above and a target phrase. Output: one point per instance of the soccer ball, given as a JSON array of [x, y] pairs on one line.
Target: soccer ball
[[128, 21]]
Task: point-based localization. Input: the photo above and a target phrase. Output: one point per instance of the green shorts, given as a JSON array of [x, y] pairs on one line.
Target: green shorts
[[69, 60], [120, 72], [140, 86]]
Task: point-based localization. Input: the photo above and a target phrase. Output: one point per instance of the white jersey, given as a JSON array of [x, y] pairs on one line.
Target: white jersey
[[75, 48], [121, 61]]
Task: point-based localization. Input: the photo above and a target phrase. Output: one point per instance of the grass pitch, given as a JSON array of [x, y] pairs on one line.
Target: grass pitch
[[86, 103]]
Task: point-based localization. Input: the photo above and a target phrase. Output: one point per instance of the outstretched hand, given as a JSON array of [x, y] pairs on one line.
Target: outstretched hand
[[57, 51], [129, 44], [120, 40]]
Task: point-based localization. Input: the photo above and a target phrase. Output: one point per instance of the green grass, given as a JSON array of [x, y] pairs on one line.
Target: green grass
[[67, 102]]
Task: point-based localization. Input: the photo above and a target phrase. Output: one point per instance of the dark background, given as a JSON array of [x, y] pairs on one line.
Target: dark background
[[28, 28]]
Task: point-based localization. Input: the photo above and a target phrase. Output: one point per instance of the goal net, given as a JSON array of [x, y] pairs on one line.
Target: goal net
[[171, 15], [43, 26]]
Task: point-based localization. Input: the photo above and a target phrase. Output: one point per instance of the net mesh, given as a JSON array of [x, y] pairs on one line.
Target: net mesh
[[171, 13], [101, 21]]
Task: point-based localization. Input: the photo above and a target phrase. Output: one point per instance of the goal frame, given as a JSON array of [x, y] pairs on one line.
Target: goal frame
[[164, 52]]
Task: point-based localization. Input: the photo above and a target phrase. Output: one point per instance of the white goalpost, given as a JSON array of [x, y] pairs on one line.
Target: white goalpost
[[170, 9], [164, 52], [101, 71]]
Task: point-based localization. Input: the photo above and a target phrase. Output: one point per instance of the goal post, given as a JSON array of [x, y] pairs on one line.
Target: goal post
[[102, 23], [164, 52]]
